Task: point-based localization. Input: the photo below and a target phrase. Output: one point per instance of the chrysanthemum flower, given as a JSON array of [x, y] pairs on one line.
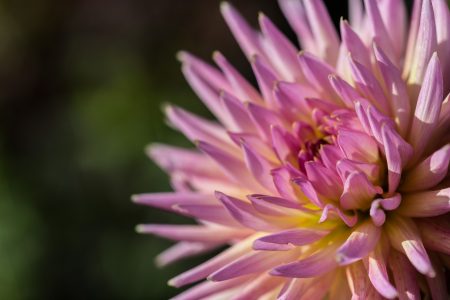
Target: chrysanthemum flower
[[331, 178]]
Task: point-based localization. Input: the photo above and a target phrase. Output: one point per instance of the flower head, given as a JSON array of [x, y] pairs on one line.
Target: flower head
[[331, 178]]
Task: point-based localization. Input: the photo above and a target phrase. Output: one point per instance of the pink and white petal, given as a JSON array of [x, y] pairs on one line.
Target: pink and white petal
[[183, 250], [368, 86], [331, 211], [358, 192], [424, 47], [398, 153], [315, 265], [266, 78], [429, 172], [207, 73], [345, 167], [396, 90], [361, 241], [237, 114], [194, 233], [243, 89], [284, 144], [210, 289], [289, 239], [264, 119], [283, 182], [216, 214], [323, 30], [251, 263], [405, 276], [395, 19], [282, 53], [325, 181], [255, 142], [345, 91], [412, 36], [246, 36], [205, 269], [435, 233], [244, 213], [428, 107], [259, 167], [276, 206], [438, 285], [442, 20], [317, 72], [229, 165], [358, 146], [426, 204], [358, 281], [405, 237], [295, 13], [168, 200], [375, 264], [354, 44], [307, 288], [258, 287], [196, 128]]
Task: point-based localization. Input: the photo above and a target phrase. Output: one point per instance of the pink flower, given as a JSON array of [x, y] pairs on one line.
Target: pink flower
[[330, 179]]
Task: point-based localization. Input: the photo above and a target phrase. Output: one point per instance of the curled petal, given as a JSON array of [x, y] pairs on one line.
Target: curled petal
[[358, 192]]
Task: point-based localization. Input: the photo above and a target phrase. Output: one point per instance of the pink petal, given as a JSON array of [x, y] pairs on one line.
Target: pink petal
[[315, 265], [426, 204], [212, 213], [379, 30], [244, 213], [396, 90], [205, 269], [266, 78], [208, 288], [345, 167], [345, 91], [196, 128], [438, 284], [354, 44], [183, 250], [282, 53], [243, 89], [288, 239], [429, 172], [264, 119], [258, 287], [425, 45], [250, 263], [428, 106], [358, 281], [435, 233], [229, 164], [442, 20], [358, 192], [405, 276], [368, 86], [349, 219], [323, 30], [375, 264], [168, 200], [246, 37], [317, 72], [193, 233], [395, 18], [276, 206], [404, 237], [259, 167], [357, 146], [361, 241], [239, 119], [324, 180]]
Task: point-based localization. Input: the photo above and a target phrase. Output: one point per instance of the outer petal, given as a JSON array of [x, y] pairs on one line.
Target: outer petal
[[426, 204], [404, 236], [288, 238], [405, 276]]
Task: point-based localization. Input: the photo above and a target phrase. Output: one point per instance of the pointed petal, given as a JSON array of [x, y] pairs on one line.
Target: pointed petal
[[405, 276], [205, 269], [354, 44], [288, 239], [357, 146], [246, 37], [361, 241], [429, 172], [182, 250], [404, 237], [258, 166], [168, 200], [239, 119], [428, 107], [207, 289], [315, 265]]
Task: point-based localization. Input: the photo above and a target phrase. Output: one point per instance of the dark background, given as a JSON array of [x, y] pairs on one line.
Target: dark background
[[81, 84]]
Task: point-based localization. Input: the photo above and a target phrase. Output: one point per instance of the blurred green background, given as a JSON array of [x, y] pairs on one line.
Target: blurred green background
[[81, 84]]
